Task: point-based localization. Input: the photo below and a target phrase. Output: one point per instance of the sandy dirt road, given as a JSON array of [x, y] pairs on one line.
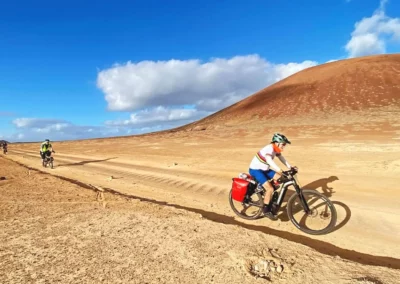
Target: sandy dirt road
[[194, 171], [55, 231]]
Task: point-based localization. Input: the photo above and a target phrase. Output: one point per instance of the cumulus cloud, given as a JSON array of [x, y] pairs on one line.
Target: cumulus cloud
[[371, 34], [159, 114], [164, 94], [209, 86], [40, 124], [35, 129]]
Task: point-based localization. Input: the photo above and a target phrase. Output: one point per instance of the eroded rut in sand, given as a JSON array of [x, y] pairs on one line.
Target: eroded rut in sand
[[320, 246], [179, 181]]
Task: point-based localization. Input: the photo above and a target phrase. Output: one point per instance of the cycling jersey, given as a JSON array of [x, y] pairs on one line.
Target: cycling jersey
[[263, 160], [45, 147]]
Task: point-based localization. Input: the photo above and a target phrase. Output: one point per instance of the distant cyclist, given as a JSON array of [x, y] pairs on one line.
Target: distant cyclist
[[46, 149], [5, 147], [264, 169]]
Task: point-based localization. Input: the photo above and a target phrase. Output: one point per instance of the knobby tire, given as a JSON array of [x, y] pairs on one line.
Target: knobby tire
[[257, 215], [332, 208]]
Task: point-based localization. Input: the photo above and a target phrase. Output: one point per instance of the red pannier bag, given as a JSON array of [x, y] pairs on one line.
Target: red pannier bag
[[239, 189]]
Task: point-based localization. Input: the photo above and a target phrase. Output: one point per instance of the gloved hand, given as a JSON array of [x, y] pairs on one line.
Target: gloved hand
[[287, 175]]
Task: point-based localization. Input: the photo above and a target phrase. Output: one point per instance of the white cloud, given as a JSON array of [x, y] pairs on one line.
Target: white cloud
[[209, 86], [282, 71], [35, 129], [32, 129], [38, 123], [158, 95], [372, 34], [158, 115]]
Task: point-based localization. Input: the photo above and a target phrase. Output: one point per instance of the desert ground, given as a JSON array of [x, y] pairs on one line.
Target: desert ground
[[56, 230], [164, 214]]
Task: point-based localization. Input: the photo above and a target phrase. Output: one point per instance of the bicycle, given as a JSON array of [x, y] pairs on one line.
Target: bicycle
[[245, 188], [48, 160]]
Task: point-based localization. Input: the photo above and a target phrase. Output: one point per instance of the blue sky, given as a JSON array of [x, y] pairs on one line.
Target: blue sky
[[80, 69]]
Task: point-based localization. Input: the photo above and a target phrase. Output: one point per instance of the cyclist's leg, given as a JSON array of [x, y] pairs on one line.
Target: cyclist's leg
[[270, 190], [263, 177]]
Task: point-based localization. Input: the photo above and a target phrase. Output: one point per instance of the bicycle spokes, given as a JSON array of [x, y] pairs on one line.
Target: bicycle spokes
[[319, 215], [249, 207]]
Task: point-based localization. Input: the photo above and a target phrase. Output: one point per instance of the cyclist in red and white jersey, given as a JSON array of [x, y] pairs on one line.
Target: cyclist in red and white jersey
[[264, 169]]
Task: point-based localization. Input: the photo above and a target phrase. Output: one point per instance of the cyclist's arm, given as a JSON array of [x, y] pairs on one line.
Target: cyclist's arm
[[272, 164], [283, 160]]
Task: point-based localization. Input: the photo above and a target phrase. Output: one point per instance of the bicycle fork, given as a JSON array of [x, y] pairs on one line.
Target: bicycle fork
[[303, 200]]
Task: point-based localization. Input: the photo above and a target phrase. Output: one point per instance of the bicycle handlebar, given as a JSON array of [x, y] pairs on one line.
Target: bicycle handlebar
[[287, 175]]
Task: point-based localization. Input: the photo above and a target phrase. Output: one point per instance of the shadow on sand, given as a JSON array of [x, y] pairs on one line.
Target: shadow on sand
[[85, 162]]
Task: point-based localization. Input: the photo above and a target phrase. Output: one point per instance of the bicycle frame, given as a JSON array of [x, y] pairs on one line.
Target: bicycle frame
[[48, 159], [283, 189]]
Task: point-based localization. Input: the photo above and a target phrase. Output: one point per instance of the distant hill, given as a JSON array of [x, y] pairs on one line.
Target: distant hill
[[346, 85]]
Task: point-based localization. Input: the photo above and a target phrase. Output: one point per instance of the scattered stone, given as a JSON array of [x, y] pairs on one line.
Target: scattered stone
[[2, 178], [110, 178], [175, 164], [279, 269], [265, 263]]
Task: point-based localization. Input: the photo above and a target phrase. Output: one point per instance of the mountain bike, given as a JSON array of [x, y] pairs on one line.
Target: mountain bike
[[48, 160], [304, 208]]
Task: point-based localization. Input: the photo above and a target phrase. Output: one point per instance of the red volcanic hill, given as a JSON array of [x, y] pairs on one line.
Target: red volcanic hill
[[346, 85]]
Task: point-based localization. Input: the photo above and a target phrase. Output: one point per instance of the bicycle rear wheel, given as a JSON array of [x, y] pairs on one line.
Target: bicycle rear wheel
[[250, 208], [322, 218]]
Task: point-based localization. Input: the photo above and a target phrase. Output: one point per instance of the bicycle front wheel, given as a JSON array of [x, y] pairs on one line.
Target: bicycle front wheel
[[322, 217]]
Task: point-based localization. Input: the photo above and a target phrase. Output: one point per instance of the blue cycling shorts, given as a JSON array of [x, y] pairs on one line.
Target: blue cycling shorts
[[262, 176]]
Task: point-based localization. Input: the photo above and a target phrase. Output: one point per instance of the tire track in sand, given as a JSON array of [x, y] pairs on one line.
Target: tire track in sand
[[178, 181]]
